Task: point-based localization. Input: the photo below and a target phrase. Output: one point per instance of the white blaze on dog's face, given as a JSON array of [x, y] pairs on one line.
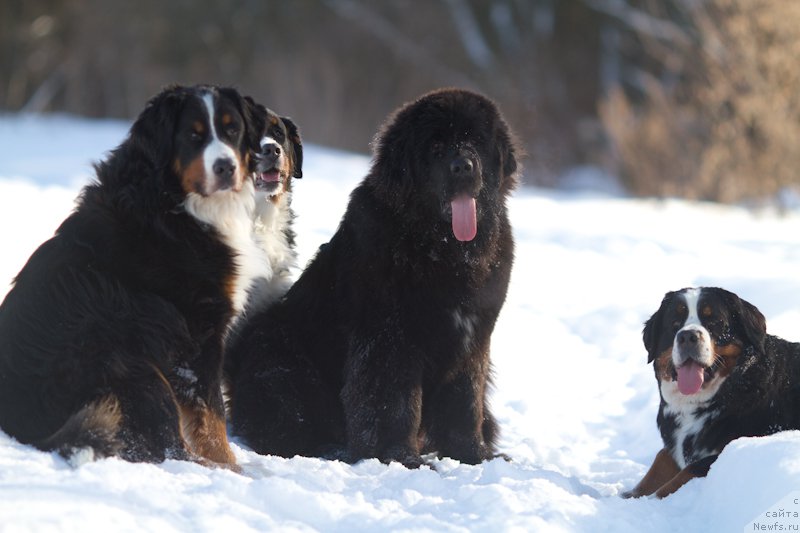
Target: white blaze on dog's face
[[209, 146], [695, 340], [219, 157], [269, 180], [692, 351], [279, 159]]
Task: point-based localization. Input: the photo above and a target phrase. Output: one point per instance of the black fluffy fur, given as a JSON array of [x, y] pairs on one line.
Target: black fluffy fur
[[365, 357], [121, 315]]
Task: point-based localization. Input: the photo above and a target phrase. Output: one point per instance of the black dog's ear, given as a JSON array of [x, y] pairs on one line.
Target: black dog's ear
[[749, 319], [652, 328], [392, 171], [507, 153], [297, 143]]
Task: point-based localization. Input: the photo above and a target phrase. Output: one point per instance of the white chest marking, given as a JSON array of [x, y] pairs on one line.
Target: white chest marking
[[464, 322], [270, 222], [231, 214], [687, 425]]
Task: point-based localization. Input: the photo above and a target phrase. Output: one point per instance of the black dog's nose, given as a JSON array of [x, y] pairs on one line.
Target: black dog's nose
[[688, 337], [223, 168], [461, 166]]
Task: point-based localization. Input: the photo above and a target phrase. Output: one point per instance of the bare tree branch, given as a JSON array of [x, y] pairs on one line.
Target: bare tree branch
[[643, 23], [469, 31], [44, 94], [371, 21]]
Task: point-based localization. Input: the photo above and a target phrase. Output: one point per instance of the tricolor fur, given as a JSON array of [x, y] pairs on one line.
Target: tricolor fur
[[111, 337], [279, 162], [720, 376]]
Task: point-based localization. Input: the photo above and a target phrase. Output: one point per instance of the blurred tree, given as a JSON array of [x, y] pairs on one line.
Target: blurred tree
[[709, 106], [337, 66]]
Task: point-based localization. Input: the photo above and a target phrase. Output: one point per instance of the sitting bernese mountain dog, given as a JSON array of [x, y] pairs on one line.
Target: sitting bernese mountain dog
[[721, 377], [111, 338], [279, 161]]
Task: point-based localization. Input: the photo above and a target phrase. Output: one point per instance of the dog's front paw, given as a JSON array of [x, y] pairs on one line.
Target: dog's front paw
[[404, 455]]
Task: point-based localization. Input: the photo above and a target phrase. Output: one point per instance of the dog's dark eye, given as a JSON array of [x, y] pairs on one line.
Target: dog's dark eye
[[278, 135], [195, 136]]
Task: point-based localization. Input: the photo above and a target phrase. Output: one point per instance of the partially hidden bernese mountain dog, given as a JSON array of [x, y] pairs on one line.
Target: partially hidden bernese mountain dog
[[279, 162], [381, 348], [721, 377], [111, 337]]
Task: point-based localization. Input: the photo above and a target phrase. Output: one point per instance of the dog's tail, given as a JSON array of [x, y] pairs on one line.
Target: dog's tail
[[91, 433]]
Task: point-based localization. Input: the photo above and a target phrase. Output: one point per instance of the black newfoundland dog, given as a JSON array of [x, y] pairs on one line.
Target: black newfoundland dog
[[381, 348]]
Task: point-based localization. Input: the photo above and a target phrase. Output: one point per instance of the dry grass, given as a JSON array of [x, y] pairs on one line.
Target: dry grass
[[729, 129]]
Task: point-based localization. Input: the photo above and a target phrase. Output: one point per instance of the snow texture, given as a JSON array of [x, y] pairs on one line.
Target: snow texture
[[574, 396]]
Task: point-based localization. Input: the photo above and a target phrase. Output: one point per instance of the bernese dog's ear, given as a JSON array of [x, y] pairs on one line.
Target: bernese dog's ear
[[651, 334], [153, 132], [749, 320], [297, 144], [255, 121]]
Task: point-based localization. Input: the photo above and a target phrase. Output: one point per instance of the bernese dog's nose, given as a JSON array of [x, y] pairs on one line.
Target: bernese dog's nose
[[223, 169], [270, 153], [689, 337], [461, 166], [271, 150]]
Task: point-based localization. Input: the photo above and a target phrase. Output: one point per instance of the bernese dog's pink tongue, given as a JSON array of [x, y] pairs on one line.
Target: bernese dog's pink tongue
[[270, 176], [465, 220], [690, 378]]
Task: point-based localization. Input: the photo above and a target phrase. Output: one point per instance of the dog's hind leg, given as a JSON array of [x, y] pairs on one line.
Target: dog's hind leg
[[137, 421], [150, 428], [91, 433]]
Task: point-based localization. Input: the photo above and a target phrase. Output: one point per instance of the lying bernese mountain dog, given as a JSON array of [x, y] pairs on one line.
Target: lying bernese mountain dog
[[721, 377], [381, 348], [111, 338]]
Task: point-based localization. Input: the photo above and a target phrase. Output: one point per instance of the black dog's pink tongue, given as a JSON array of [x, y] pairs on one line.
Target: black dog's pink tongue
[[690, 378], [465, 220]]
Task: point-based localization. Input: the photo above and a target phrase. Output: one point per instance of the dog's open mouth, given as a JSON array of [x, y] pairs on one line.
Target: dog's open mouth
[[691, 375], [268, 181]]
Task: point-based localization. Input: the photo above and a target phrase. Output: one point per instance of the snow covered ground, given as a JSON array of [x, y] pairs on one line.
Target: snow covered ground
[[574, 395]]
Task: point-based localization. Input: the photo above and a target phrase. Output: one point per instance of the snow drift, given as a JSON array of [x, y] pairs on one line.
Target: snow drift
[[573, 393]]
